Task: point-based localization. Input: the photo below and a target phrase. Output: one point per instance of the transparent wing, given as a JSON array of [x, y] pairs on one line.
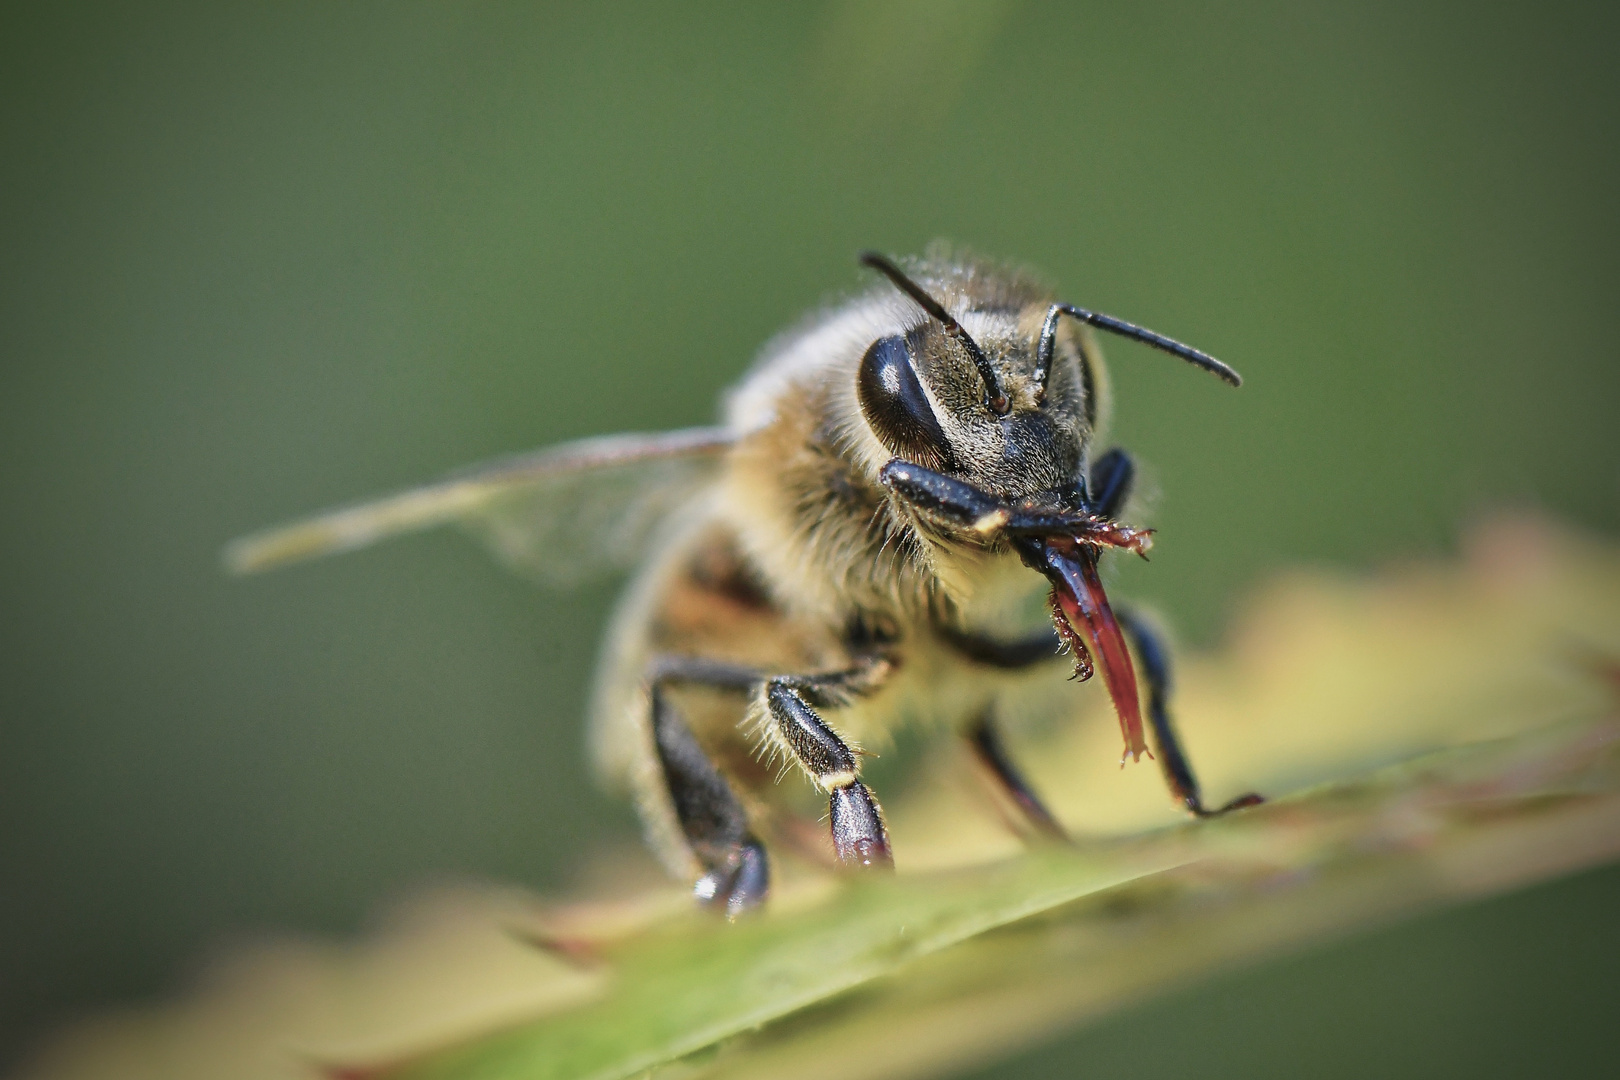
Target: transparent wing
[[560, 514]]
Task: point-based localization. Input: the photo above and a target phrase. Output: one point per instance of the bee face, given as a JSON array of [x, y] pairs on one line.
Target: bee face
[[925, 401]]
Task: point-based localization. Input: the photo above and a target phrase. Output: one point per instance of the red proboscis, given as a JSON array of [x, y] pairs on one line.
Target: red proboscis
[[1081, 603]]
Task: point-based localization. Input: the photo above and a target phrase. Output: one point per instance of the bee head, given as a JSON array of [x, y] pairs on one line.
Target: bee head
[[988, 413], [1001, 398]]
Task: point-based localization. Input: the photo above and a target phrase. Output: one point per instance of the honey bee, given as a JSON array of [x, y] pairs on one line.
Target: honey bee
[[893, 484]]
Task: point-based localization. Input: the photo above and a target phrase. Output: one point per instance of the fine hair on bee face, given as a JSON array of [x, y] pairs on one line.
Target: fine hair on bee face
[[837, 557]]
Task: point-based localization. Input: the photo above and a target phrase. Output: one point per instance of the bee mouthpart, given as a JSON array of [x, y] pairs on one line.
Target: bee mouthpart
[[959, 504], [1085, 621], [1101, 533], [1062, 544]]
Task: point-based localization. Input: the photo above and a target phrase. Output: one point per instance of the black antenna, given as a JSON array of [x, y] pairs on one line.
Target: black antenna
[[995, 397], [1043, 354]]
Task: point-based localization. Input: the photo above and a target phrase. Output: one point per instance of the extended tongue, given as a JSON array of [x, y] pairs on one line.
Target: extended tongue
[[1081, 603]]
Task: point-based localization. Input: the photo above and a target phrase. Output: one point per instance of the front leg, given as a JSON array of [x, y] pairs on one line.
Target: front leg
[[1108, 487], [1178, 773], [788, 720]]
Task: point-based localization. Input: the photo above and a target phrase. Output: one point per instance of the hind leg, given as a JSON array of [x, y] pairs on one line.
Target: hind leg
[[711, 818]]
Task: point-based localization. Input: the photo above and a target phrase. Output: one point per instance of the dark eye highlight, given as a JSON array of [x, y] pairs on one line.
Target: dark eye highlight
[[896, 407]]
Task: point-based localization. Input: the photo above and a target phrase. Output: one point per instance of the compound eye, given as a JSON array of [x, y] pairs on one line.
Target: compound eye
[[896, 407]]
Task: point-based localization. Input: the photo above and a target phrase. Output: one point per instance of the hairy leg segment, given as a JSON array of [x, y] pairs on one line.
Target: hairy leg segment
[[714, 821], [792, 723]]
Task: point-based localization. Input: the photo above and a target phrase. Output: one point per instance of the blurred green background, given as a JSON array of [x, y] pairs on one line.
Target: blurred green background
[[259, 260]]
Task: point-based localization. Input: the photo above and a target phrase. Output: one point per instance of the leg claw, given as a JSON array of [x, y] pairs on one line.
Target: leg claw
[[741, 883], [1239, 803]]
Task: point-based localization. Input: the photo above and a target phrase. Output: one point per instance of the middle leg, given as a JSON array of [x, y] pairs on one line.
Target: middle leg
[[984, 736]]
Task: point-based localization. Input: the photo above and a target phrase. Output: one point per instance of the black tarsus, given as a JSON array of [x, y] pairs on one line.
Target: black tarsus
[[1048, 340], [985, 738], [858, 833], [995, 396], [1178, 775]]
